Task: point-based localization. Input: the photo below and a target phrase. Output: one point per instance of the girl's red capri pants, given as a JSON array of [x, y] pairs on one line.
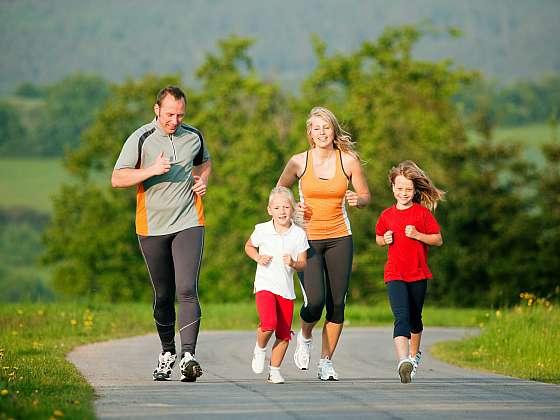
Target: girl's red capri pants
[[275, 313]]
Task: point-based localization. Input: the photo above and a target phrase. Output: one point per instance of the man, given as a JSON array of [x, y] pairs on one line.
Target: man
[[169, 164]]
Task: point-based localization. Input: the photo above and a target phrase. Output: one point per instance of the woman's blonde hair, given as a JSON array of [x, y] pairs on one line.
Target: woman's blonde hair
[[282, 191], [342, 139], [425, 192]]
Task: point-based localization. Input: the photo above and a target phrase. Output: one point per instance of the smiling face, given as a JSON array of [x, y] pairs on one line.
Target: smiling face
[[281, 210], [321, 132], [170, 113], [403, 190]]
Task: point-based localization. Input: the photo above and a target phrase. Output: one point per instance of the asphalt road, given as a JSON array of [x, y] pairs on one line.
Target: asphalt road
[[120, 372]]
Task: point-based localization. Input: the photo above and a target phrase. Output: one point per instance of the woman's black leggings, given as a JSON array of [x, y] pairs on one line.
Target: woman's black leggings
[[407, 300], [173, 263], [326, 279]]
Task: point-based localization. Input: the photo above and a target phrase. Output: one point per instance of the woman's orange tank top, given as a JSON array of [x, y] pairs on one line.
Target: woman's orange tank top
[[327, 217]]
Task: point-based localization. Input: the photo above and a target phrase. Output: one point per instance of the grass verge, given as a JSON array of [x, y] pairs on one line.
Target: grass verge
[[519, 342]]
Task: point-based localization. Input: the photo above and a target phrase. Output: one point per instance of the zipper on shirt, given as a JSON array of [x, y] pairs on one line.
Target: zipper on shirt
[[173, 147]]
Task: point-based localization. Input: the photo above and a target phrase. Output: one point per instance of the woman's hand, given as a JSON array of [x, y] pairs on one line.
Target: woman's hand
[[352, 198]]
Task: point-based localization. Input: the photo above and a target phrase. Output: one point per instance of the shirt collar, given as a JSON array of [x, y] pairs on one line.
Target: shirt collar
[[163, 133], [269, 226]]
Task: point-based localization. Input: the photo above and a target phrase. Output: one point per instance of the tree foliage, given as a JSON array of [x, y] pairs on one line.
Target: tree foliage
[[395, 106]]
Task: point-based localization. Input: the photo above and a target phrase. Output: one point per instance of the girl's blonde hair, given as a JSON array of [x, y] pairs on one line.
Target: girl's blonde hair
[[342, 139], [425, 192], [282, 191]]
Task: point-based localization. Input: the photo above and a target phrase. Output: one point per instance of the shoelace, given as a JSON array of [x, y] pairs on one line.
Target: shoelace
[[166, 363], [327, 366]]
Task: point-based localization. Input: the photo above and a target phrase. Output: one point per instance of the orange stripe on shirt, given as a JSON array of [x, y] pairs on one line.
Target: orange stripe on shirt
[[141, 214], [199, 209]]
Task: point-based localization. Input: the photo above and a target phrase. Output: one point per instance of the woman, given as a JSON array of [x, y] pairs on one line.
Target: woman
[[323, 174]]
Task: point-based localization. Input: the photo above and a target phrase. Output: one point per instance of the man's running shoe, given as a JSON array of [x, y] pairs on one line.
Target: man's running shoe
[[259, 356], [164, 368], [190, 368], [415, 362], [302, 354], [404, 368], [274, 376], [325, 371]]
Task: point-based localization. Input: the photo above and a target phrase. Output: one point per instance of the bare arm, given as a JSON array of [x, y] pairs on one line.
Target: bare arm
[[386, 239], [129, 177], [298, 265], [433, 239], [360, 197], [253, 253], [290, 174]]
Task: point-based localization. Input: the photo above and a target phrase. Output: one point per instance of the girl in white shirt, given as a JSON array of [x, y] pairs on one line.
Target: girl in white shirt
[[280, 248]]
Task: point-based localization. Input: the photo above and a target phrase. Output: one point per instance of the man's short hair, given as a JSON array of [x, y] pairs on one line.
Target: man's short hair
[[174, 91]]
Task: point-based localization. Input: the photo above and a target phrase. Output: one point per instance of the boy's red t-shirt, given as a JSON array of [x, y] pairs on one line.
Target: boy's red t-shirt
[[407, 258]]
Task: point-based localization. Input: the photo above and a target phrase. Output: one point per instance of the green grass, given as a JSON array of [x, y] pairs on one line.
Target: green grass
[[30, 182], [36, 381], [531, 137], [520, 342]]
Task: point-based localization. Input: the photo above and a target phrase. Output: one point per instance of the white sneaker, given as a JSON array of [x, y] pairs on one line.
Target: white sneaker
[[302, 353], [404, 368], [259, 356], [274, 376], [325, 371], [164, 368], [190, 368], [415, 362]]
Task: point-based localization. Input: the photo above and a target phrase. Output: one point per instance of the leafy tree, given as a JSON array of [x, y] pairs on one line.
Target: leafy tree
[[488, 255], [20, 247], [246, 121], [517, 103], [396, 108], [90, 242], [11, 129], [547, 232], [70, 106]]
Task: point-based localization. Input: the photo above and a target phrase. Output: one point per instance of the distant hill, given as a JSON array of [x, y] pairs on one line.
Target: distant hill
[[42, 41]]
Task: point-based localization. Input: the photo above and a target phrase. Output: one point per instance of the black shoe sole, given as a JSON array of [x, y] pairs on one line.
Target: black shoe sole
[[191, 371], [161, 378], [404, 372]]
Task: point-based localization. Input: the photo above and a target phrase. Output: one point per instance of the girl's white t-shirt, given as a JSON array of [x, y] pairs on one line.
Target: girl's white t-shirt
[[277, 277]]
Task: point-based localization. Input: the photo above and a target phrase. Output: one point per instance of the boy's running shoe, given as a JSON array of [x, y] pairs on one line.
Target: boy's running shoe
[[415, 362], [164, 368], [302, 354], [259, 356], [404, 368], [325, 371], [275, 377], [190, 368]]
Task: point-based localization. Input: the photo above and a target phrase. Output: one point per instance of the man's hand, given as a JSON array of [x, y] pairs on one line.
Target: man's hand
[[199, 187], [161, 165]]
